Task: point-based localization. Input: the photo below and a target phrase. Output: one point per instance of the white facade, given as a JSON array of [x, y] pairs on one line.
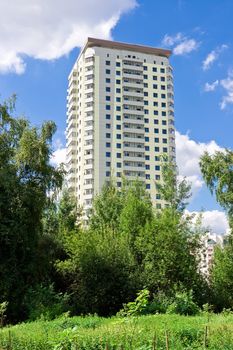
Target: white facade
[[209, 242], [120, 117]]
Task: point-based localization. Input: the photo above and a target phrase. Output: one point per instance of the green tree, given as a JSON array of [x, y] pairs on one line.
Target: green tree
[[217, 171], [99, 269], [26, 176], [221, 276], [173, 191]]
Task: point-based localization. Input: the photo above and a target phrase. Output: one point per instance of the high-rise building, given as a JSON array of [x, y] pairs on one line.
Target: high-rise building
[[120, 117]]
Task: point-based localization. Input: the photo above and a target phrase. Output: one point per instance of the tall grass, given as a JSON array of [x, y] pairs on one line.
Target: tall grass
[[155, 332]]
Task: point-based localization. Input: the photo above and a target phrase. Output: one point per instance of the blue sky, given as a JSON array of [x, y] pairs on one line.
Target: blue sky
[[39, 44]]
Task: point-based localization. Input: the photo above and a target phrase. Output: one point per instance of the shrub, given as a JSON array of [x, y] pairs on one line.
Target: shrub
[[183, 304], [43, 302]]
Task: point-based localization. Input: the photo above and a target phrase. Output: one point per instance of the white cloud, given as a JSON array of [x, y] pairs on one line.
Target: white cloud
[[227, 84], [170, 40], [187, 46], [188, 153], [181, 44], [49, 29], [58, 157], [211, 87], [214, 220], [213, 56]]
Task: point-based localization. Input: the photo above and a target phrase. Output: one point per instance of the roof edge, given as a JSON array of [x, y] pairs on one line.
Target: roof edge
[[91, 42]]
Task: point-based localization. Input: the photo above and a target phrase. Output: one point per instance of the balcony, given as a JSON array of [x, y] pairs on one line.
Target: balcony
[[132, 111], [132, 76], [133, 84]]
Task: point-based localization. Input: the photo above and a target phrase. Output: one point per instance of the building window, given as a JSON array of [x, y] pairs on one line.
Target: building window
[[118, 145], [107, 173], [118, 174], [145, 93], [118, 155], [156, 139], [147, 139], [154, 69], [164, 149], [147, 186], [108, 98], [146, 120], [108, 164], [157, 158], [108, 154], [162, 78], [107, 107], [118, 99], [118, 117], [155, 104], [108, 136], [158, 196], [157, 167], [146, 129], [164, 140], [144, 67], [156, 121], [162, 70], [164, 114], [155, 95], [163, 104], [118, 90], [147, 157], [156, 113], [107, 71], [108, 144], [118, 127], [164, 131], [145, 103], [118, 165], [118, 108], [147, 148], [145, 76], [155, 86], [108, 80], [156, 149], [118, 184], [147, 167], [163, 87], [108, 116], [146, 111], [118, 81], [155, 77], [118, 72], [118, 64], [164, 122], [156, 131], [108, 89], [157, 177], [148, 176], [145, 85], [107, 63], [108, 126]]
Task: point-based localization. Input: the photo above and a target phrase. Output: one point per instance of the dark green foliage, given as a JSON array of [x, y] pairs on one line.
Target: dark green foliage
[[42, 301], [100, 269], [25, 178], [221, 277]]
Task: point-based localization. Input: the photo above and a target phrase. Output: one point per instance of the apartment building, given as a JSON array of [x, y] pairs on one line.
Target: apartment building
[[209, 242], [120, 117]]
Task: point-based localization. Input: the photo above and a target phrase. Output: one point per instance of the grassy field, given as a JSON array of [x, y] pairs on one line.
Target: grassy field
[[142, 333]]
